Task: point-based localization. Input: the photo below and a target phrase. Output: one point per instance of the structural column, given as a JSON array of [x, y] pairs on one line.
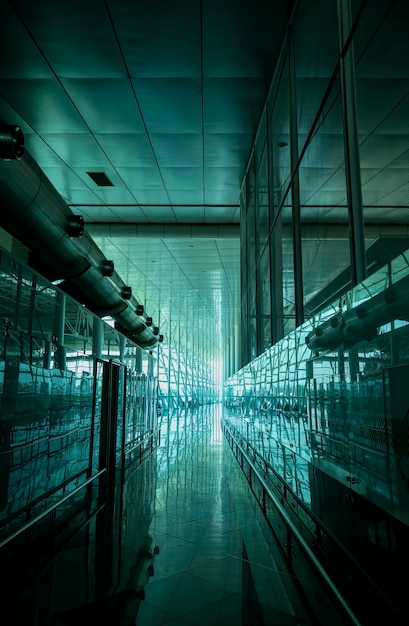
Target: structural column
[[122, 347], [97, 337]]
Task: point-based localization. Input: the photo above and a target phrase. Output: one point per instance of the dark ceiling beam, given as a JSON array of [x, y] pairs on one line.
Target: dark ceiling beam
[[231, 231], [165, 231]]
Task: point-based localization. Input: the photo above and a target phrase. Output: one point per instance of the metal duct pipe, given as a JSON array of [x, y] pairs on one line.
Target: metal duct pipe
[[35, 213], [345, 330]]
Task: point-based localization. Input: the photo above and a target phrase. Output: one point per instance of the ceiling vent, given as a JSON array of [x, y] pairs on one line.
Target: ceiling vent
[[100, 179]]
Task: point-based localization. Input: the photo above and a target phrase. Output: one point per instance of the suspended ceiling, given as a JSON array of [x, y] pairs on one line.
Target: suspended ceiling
[[165, 98]]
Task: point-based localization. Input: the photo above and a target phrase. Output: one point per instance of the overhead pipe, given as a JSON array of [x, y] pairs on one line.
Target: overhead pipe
[[60, 247], [346, 329]]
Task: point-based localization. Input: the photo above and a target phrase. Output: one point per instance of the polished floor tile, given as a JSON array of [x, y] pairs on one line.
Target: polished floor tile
[[208, 529], [213, 563]]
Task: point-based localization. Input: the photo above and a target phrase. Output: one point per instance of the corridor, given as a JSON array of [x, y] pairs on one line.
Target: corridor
[[178, 540], [214, 565]]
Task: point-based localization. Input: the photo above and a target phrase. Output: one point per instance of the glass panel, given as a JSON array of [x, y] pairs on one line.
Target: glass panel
[[263, 255], [243, 277], [333, 393], [325, 252], [50, 414], [282, 273], [251, 260], [381, 53]]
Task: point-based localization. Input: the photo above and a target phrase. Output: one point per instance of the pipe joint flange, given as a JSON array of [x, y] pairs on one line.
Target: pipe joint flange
[[126, 292], [107, 267], [75, 226], [12, 145]]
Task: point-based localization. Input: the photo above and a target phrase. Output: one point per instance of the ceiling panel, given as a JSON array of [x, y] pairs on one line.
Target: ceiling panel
[[143, 178], [42, 151], [127, 149], [219, 214], [186, 197], [389, 180], [227, 149], [241, 97], [223, 177], [379, 150], [191, 215], [75, 37], [220, 197], [77, 150], [66, 180], [178, 149], [26, 60], [159, 43], [129, 214], [45, 104], [179, 100], [241, 38], [182, 177], [96, 214], [159, 214], [107, 105]]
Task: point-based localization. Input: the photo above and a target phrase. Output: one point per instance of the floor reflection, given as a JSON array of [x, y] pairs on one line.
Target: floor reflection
[[178, 539]]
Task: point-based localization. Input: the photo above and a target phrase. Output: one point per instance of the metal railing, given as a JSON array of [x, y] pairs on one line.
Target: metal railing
[[260, 468], [48, 510]]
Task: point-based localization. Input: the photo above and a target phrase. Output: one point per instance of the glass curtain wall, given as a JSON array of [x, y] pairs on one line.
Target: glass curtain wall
[[323, 408], [62, 371], [324, 414], [382, 73], [298, 212], [186, 374]]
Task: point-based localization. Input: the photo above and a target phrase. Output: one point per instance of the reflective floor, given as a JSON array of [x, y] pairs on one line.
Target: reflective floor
[[215, 566], [180, 540]]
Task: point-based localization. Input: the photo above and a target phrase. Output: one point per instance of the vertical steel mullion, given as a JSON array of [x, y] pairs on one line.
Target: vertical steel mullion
[[295, 188], [275, 252], [351, 147], [259, 292], [270, 204], [124, 407]]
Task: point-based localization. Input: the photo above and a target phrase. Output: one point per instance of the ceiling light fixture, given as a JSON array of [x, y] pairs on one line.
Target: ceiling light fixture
[[100, 179]]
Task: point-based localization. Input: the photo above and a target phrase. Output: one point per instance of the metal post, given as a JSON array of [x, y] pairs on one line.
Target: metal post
[[122, 346], [59, 332], [97, 337]]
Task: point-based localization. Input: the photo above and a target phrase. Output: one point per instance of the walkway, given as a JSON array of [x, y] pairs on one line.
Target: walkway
[[215, 564], [218, 562]]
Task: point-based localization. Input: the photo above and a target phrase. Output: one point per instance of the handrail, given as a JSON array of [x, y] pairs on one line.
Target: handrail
[[46, 512], [27, 507], [237, 435], [141, 439], [323, 574], [33, 442]]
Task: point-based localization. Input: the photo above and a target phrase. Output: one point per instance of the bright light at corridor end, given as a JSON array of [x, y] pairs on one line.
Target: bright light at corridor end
[[218, 377]]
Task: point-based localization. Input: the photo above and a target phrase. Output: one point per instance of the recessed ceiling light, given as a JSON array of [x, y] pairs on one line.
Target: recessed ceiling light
[[100, 179]]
